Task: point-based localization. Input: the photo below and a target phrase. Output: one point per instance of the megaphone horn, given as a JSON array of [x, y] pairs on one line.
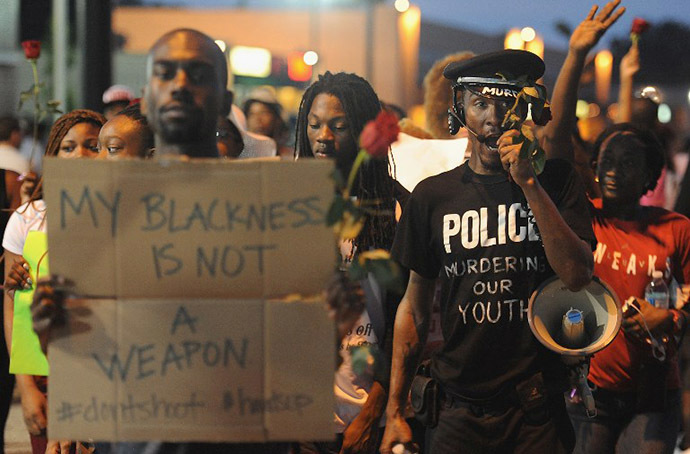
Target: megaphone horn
[[575, 325]]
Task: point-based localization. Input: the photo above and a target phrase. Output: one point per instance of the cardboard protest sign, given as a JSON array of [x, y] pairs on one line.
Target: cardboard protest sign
[[241, 229], [192, 369], [26, 356], [416, 159], [187, 341]]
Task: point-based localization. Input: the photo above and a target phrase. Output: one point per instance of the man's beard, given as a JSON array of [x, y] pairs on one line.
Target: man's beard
[[174, 132]]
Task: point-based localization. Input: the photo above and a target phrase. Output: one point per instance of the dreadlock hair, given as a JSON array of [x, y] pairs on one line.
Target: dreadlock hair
[[373, 186], [66, 122], [133, 112], [636, 138]]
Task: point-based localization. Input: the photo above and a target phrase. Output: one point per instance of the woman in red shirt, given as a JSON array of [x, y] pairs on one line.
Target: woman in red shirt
[[637, 392]]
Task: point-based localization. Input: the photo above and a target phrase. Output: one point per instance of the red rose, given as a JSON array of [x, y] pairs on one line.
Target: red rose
[[544, 118], [378, 135], [639, 26], [32, 49]]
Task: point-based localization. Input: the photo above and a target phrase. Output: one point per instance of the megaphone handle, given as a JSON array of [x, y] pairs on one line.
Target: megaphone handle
[[587, 398]]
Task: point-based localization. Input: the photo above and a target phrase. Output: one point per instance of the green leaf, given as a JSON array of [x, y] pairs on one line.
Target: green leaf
[[350, 225], [526, 132], [24, 97], [53, 103], [539, 160], [541, 90], [336, 210], [387, 274], [537, 107], [356, 271], [511, 120], [29, 92], [338, 179], [53, 110], [531, 91], [361, 358]]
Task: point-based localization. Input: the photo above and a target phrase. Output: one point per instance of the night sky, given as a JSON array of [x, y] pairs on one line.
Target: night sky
[[495, 17]]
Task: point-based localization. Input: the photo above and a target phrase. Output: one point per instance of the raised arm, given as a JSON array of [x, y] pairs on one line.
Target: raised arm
[[630, 65], [569, 256], [556, 138], [409, 338]]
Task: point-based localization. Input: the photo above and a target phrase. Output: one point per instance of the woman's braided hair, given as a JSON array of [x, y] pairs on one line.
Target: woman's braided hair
[[58, 132], [66, 122]]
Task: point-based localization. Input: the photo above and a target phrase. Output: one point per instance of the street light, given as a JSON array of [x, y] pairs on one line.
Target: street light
[[525, 39], [402, 5], [310, 58], [603, 64], [528, 34], [250, 61]]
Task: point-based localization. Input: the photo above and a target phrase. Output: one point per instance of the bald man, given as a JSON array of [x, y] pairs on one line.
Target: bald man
[[186, 92]]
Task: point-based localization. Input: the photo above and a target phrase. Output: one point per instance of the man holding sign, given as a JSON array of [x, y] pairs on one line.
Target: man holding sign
[[185, 94]]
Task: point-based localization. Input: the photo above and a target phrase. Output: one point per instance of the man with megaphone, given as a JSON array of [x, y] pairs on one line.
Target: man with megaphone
[[492, 230]]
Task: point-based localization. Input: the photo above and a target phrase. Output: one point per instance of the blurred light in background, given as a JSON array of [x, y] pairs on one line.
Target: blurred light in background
[[688, 96], [593, 110], [513, 40], [220, 43], [297, 68], [603, 63], [402, 5], [528, 34], [664, 113], [652, 93], [536, 46], [250, 61], [311, 58], [612, 112], [417, 115], [525, 39], [582, 109], [411, 20]]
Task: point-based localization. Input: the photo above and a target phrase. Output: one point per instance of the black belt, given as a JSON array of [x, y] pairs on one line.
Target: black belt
[[498, 403]]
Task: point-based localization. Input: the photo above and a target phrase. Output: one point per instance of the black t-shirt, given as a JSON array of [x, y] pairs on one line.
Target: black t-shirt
[[477, 234]]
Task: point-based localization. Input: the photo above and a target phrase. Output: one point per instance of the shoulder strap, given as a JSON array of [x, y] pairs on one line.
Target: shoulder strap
[[375, 302]]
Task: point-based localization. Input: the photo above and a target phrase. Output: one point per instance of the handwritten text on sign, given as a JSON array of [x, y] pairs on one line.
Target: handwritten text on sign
[[233, 230], [188, 366]]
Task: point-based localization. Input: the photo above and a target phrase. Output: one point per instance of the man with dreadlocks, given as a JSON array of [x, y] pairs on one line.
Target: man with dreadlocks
[[332, 114], [492, 231]]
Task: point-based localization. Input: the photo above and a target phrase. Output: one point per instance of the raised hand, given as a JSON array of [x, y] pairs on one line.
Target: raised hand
[[18, 278], [630, 63], [520, 169], [47, 307], [590, 30]]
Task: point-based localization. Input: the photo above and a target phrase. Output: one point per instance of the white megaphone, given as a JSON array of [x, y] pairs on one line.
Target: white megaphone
[[575, 325]]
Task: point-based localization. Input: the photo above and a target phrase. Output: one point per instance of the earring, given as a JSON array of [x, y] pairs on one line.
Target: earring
[[596, 179]]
